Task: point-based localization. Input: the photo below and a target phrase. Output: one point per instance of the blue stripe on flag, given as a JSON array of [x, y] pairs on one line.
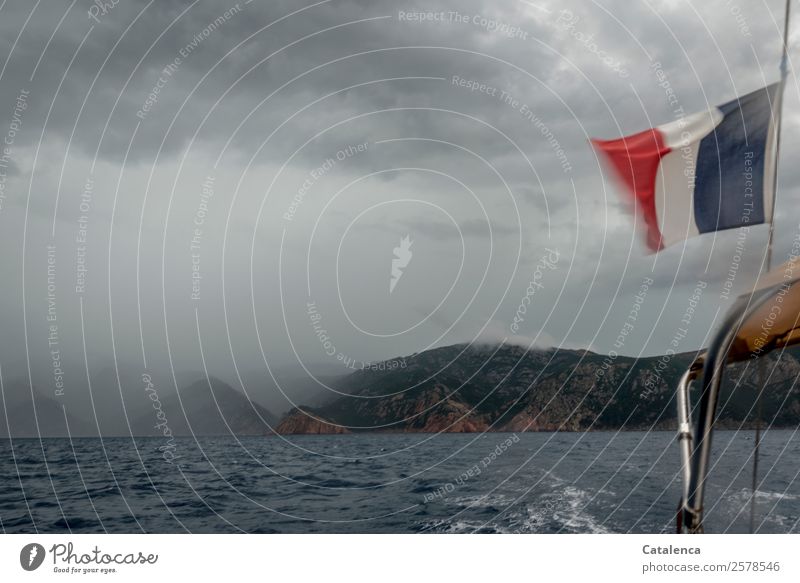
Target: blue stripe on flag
[[729, 178]]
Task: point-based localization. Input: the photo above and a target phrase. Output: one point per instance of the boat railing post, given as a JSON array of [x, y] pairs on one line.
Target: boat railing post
[[685, 441], [713, 371]]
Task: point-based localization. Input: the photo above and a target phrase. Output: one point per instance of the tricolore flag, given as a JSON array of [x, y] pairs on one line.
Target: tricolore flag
[[704, 172]]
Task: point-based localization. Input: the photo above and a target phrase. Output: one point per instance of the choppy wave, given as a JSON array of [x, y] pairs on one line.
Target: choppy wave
[[449, 484]]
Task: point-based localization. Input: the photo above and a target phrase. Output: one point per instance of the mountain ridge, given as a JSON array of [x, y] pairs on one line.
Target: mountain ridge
[[469, 388]]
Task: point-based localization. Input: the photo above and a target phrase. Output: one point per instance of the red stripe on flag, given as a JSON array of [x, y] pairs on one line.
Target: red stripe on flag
[[635, 159]]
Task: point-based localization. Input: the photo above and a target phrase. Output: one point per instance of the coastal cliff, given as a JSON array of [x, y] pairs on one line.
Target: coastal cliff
[[463, 389], [302, 422]]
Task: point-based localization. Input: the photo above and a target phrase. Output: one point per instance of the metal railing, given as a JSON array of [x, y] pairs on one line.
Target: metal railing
[[695, 445]]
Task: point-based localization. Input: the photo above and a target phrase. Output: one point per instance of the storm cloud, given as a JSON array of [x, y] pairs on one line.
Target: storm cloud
[[185, 180]]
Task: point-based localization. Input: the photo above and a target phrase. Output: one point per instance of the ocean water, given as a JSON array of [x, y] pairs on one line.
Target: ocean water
[[395, 483]]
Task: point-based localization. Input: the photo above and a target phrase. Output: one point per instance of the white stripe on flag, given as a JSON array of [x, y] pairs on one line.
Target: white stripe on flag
[[675, 178], [676, 216]]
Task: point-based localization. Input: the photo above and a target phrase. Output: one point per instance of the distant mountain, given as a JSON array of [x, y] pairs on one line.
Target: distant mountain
[[26, 416], [202, 408], [466, 388], [206, 407], [107, 405], [113, 396]]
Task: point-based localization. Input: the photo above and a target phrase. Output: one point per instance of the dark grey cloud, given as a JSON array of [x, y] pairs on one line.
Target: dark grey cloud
[[279, 108]]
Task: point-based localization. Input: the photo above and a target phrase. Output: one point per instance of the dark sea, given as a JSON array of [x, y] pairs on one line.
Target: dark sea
[[390, 483]]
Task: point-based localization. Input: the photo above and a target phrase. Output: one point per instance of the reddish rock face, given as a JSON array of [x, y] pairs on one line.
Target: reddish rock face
[[531, 421], [300, 422], [447, 416]]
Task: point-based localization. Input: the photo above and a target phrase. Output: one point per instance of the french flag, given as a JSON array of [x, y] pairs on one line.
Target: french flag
[[705, 172]]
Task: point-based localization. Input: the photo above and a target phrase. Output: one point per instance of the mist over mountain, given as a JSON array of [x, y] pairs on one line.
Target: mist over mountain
[[125, 400], [206, 407], [36, 415]]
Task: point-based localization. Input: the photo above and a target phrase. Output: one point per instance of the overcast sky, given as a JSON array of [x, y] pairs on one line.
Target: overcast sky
[[281, 151]]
